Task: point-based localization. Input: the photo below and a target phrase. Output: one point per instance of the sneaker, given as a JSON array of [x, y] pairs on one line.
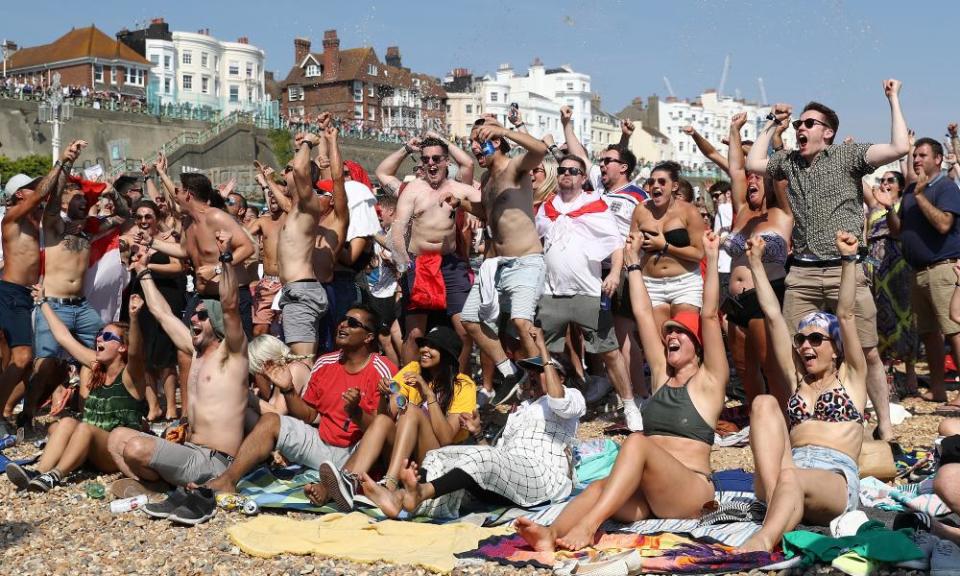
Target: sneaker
[[917, 521], [945, 560], [20, 475], [199, 506], [45, 482], [485, 397], [512, 385], [631, 414], [341, 486], [164, 508]]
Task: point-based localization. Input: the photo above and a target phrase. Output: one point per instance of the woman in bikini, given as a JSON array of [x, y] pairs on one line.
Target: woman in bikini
[[671, 241], [806, 469], [664, 471], [757, 210], [114, 397]]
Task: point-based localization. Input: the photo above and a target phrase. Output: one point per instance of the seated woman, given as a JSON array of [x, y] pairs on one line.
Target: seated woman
[[530, 464], [114, 397], [807, 470], [664, 471], [420, 412], [267, 351]]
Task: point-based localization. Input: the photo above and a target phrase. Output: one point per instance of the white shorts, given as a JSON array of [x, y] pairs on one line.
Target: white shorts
[[683, 289]]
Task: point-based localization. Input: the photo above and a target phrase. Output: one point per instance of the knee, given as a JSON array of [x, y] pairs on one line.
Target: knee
[[21, 357], [945, 485], [269, 422], [139, 450], [949, 427], [635, 443], [763, 407]]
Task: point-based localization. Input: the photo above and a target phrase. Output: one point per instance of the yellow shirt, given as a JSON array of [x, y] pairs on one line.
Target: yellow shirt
[[464, 395]]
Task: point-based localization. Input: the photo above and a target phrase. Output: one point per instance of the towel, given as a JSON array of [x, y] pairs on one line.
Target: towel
[[361, 539], [489, 298]]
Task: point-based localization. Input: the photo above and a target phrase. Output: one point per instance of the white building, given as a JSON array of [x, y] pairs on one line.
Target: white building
[[540, 93], [198, 69]]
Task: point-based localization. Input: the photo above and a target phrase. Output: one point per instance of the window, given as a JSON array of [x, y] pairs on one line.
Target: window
[[205, 85], [469, 109], [294, 93], [296, 111], [136, 76], [187, 83], [358, 111], [249, 69], [113, 74], [358, 92], [313, 71], [203, 59], [166, 62], [234, 69], [249, 94], [569, 85], [371, 91], [234, 94], [494, 97], [371, 113], [187, 57], [448, 108], [166, 86], [98, 73], [372, 69], [155, 59]]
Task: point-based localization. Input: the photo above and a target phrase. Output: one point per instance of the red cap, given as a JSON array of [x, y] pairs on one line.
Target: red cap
[[325, 185], [689, 322]]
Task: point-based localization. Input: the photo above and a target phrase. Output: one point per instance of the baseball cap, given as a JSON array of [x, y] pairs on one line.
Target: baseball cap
[[17, 182], [443, 339]]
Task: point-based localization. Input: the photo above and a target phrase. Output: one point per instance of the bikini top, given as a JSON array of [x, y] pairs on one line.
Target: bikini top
[[670, 412], [678, 237], [775, 251], [833, 405]]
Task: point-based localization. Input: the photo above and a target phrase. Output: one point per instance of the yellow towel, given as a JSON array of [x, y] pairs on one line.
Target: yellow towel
[[360, 538]]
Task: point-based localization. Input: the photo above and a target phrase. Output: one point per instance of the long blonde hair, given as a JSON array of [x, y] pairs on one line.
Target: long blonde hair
[[549, 184], [267, 348]]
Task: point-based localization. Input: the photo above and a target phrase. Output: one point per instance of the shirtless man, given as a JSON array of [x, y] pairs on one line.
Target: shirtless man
[[267, 227], [306, 255], [217, 386], [518, 270], [21, 247], [431, 204], [248, 270]]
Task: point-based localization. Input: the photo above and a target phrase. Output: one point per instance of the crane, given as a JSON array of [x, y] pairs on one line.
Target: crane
[[666, 81], [763, 91], [723, 76]]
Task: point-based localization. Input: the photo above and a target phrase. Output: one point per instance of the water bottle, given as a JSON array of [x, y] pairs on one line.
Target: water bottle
[[605, 301], [95, 490], [128, 504]]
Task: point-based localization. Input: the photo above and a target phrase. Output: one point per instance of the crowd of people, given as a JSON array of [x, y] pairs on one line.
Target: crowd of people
[[337, 330]]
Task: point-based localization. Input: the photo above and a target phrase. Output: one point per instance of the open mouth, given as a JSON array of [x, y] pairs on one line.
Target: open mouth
[[342, 334], [425, 357], [656, 193], [673, 345], [197, 329], [802, 139], [433, 171], [808, 356], [101, 347]]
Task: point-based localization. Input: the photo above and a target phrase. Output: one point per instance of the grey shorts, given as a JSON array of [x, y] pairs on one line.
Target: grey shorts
[[300, 442], [596, 325], [180, 464], [821, 458], [520, 283], [302, 303]]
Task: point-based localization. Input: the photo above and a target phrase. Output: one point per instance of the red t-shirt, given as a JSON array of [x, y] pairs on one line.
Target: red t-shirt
[[329, 380]]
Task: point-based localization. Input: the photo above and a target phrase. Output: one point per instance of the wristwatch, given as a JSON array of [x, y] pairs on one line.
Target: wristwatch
[[218, 270], [226, 257], [633, 267]]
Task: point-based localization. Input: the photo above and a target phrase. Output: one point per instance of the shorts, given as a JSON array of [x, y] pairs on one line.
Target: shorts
[[519, 285], [388, 310], [821, 458], [456, 279], [596, 325], [80, 319], [301, 443], [263, 294], [303, 303], [744, 307], [16, 321], [180, 464], [811, 289], [686, 288], [930, 296]]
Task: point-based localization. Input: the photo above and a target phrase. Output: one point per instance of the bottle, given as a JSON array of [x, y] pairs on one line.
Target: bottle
[[604, 301], [95, 490], [128, 504]]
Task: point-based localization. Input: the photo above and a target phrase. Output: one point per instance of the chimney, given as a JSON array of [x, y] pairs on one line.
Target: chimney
[[243, 40], [393, 56], [301, 47], [461, 72], [157, 21], [331, 54]]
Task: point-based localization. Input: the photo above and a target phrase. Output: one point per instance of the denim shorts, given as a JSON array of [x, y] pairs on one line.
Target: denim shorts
[[686, 288], [81, 319], [820, 458]]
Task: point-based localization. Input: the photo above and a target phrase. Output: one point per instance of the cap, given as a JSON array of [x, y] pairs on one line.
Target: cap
[[17, 182], [443, 339], [689, 322]]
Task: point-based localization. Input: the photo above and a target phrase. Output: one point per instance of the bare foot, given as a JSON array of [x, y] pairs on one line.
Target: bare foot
[[389, 502], [756, 543], [154, 414], [317, 493], [930, 397], [577, 538], [540, 538], [412, 494]]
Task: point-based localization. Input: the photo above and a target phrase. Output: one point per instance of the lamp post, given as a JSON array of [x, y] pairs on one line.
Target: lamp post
[[7, 47], [55, 111]]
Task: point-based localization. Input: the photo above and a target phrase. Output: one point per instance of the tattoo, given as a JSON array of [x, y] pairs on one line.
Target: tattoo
[[75, 243]]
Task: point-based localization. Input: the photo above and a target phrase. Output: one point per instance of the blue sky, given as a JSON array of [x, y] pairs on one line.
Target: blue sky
[[834, 51]]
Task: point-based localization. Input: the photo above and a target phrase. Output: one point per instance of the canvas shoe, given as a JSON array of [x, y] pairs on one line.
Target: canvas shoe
[[164, 508], [341, 486], [199, 506]]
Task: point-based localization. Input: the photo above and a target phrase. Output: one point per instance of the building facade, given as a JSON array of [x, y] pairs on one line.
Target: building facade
[[355, 86], [464, 102]]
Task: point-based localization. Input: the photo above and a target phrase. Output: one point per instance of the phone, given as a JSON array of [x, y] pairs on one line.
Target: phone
[[535, 364], [514, 110], [649, 232]]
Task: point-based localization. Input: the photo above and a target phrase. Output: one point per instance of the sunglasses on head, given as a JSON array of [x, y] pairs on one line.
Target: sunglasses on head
[[571, 170], [354, 323], [808, 123], [108, 336], [607, 160], [814, 338], [436, 159]]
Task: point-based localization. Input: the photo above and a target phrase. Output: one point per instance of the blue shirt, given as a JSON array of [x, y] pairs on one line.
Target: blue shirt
[[921, 243]]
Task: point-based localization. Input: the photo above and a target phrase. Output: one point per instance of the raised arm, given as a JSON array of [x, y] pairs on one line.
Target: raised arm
[[880, 154], [178, 332], [340, 207], [61, 333], [643, 313], [574, 146], [234, 337], [33, 198], [626, 131], [270, 187], [706, 148], [714, 352], [386, 171], [303, 195], [776, 325], [846, 302], [136, 359], [758, 156], [465, 165], [52, 186], [168, 187], [736, 163]]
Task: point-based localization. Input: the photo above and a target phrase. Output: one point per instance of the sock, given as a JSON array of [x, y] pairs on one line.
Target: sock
[[506, 368]]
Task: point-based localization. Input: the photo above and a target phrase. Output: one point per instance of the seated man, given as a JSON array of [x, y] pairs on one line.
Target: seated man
[[338, 404]]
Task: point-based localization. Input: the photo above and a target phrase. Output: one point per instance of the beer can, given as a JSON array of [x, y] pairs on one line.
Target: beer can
[[128, 504]]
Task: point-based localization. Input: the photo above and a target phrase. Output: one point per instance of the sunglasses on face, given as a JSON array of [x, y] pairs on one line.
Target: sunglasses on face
[[143, 217], [201, 315], [571, 170], [808, 123], [605, 161], [436, 159], [890, 180], [108, 336], [814, 338], [354, 323], [660, 181]]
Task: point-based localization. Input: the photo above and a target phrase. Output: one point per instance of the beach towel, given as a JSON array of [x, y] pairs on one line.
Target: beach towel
[[918, 497], [360, 538], [664, 553]]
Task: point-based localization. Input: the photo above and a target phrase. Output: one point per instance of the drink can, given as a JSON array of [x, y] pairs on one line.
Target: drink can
[[238, 503], [8, 441], [128, 504], [488, 148], [605, 301]]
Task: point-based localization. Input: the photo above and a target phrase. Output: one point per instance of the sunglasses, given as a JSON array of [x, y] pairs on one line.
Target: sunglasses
[[401, 399], [605, 161], [436, 159], [354, 323], [890, 180], [201, 315], [660, 181], [108, 336], [814, 338], [809, 123], [231, 202], [143, 217], [571, 170]]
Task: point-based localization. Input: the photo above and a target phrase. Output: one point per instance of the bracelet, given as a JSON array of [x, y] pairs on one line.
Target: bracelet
[[520, 124], [849, 258], [39, 301], [634, 268], [143, 273], [431, 402]]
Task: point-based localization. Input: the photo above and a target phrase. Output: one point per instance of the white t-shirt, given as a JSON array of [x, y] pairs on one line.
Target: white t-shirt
[[382, 280], [363, 211]]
